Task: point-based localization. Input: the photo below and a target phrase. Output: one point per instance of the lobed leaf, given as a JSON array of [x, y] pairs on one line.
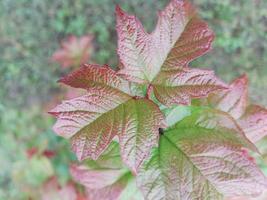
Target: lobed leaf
[[93, 120], [200, 158], [161, 58], [179, 37]]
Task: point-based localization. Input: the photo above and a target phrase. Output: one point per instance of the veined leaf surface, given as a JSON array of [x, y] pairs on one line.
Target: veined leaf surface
[[179, 37], [93, 120], [251, 118], [200, 158], [161, 58], [234, 100]]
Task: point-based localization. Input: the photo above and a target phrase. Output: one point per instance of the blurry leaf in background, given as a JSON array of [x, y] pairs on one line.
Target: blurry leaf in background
[[32, 172], [74, 51], [52, 190]]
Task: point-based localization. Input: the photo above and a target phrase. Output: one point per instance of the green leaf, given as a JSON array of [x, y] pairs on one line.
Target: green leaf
[[200, 157], [92, 121]]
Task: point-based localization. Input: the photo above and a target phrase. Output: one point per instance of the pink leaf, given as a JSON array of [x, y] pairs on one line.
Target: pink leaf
[[179, 86], [180, 37], [52, 190], [254, 123], [74, 51], [91, 75], [263, 196], [140, 133], [234, 100], [95, 178], [89, 120], [101, 184], [93, 120]]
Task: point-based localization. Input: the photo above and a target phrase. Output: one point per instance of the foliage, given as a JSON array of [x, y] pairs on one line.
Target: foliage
[[31, 30], [26, 147], [74, 51], [200, 153], [25, 66]]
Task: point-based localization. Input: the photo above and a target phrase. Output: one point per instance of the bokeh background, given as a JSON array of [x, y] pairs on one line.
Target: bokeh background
[[31, 155]]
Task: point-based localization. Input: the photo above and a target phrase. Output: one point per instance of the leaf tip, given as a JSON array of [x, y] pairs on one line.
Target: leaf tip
[[53, 112], [119, 11]]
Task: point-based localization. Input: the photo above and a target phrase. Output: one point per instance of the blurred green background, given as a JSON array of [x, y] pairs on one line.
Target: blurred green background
[[31, 31]]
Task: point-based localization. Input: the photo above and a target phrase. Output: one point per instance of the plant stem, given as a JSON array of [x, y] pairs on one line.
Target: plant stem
[[149, 91]]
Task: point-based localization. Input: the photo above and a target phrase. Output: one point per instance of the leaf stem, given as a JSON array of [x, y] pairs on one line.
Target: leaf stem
[[149, 91]]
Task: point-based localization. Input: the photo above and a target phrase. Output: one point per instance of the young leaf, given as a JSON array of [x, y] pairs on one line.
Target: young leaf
[[180, 37], [106, 178], [92, 75], [93, 120], [179, 86], [251, 118], [234, 100], [161, 58], [95, 178], [254, 122], [200, 158], [103, 184]]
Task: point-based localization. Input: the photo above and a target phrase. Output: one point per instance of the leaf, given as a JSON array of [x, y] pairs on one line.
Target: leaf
[[254, 123], [263, 196], [251, 118], [106, 177], [234, 100], [74, 51], [179, 37], [179, 86], [52, 190], [93, 75], [200, 157], [161, 58], [104, 184], [95, 178], [176, 114], [93, 120], [109, 159]]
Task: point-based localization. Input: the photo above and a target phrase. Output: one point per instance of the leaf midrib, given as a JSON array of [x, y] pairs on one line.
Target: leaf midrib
[[189, 160]]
